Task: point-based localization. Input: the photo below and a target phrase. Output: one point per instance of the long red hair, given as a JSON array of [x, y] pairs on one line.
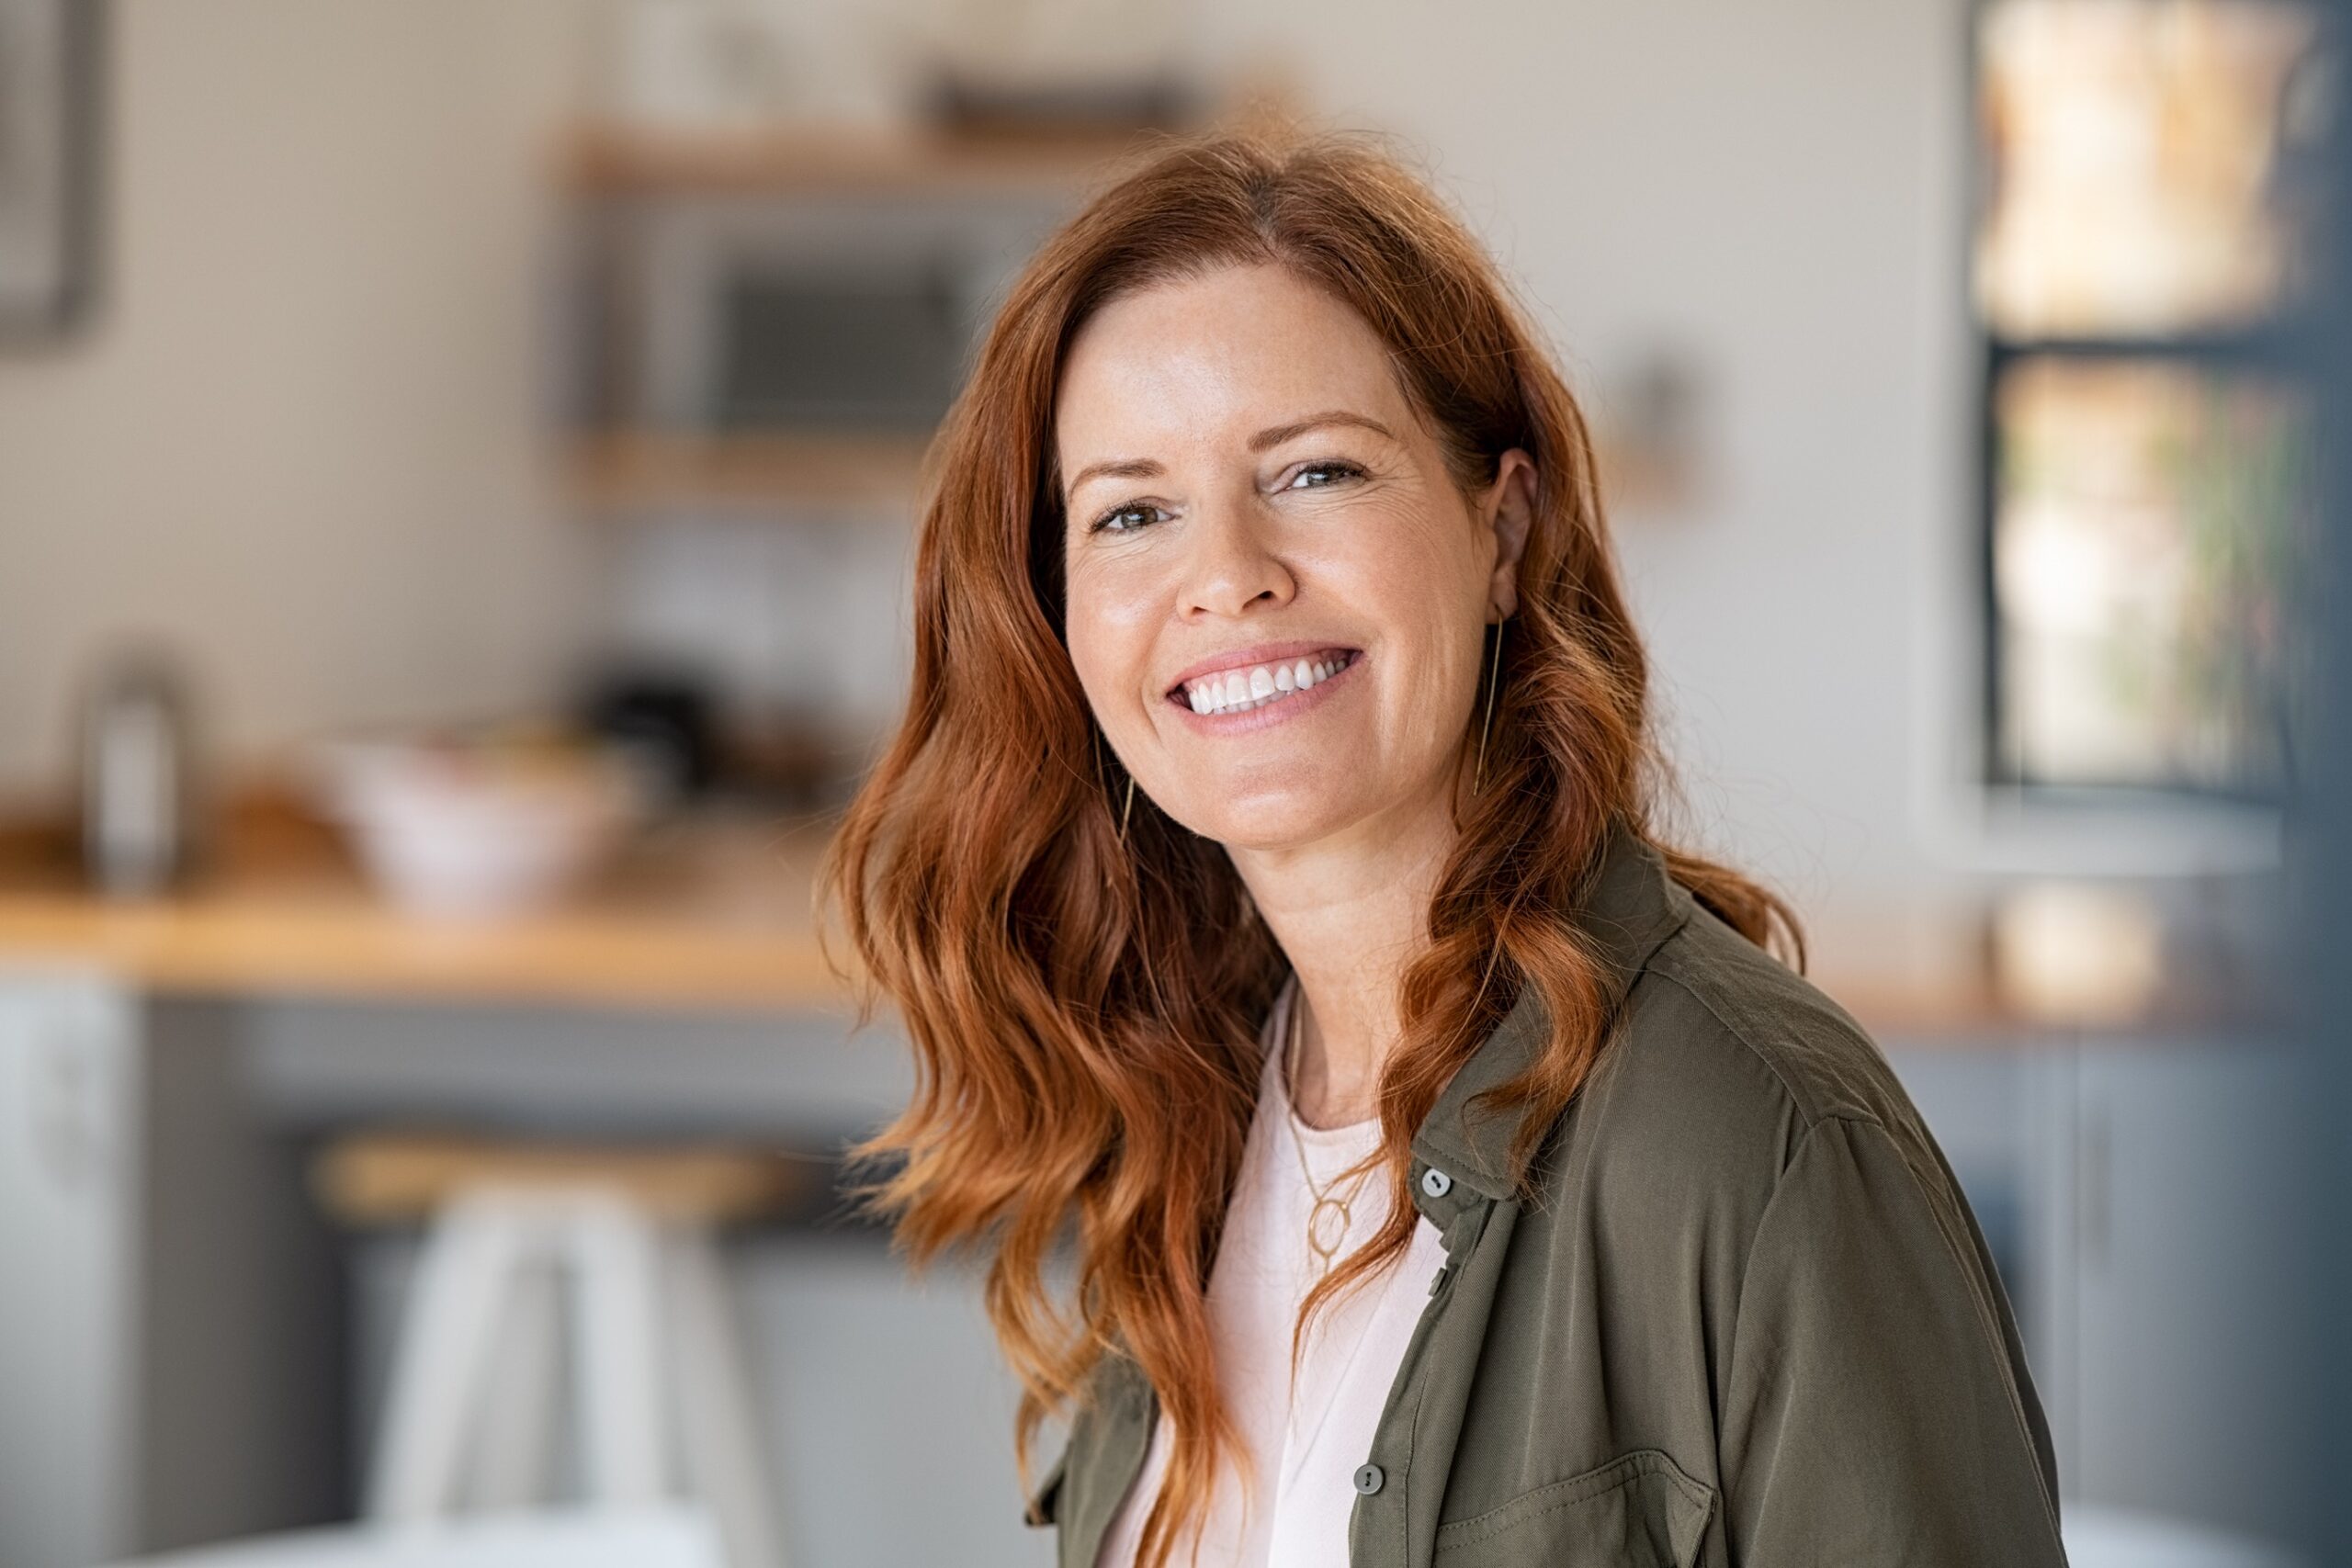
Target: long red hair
[[1084, 1010]]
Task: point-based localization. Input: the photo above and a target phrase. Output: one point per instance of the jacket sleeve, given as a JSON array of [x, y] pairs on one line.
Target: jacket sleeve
[[1877, 1408]]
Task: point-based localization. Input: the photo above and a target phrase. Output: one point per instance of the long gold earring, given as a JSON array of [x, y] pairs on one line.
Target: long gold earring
[[1127, 808], [1487, 726]]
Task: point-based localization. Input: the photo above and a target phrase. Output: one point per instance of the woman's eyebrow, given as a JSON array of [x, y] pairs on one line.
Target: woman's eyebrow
[[1117, 468], [1277, 434]]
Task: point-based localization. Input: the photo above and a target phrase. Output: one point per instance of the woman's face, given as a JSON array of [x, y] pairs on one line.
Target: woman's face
[[1277, 597]]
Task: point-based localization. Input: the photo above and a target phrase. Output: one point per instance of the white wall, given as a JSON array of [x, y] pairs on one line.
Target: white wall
[[302, 438]]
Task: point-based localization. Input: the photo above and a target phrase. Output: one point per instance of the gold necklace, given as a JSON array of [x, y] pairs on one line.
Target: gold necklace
[[1328, 1210]]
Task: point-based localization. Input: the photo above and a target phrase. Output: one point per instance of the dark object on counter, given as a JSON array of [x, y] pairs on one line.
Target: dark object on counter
[[796, 757], [661, 718], [138, 786]]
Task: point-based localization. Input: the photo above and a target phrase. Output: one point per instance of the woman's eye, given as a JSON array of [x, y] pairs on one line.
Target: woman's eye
[[1315, 476], [1126, 519]]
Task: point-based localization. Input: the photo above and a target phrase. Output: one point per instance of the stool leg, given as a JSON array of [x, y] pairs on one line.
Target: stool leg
[[514, 1454], [723, 1455], [613, 1247], [469, 1253]]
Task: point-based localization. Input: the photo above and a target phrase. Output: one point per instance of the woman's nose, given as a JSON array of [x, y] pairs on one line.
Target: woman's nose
[[1232, 565]]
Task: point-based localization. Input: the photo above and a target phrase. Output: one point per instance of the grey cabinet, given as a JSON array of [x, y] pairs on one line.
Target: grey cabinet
[[2144, 1198], [169, 1363], [2175, 1271]]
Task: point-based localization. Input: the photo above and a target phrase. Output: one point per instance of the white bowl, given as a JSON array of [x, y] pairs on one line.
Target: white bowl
[[448, 832]]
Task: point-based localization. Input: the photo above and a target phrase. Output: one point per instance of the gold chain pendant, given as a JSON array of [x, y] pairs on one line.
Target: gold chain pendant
[[1326, 1228], [1328, 1222]]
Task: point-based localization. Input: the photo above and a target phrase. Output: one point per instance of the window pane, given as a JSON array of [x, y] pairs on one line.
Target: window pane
[[2149, 523], [2143, 163]]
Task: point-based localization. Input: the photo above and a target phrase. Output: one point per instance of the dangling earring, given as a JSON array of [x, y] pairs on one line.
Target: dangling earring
[[1128, 808], [1487, 726]]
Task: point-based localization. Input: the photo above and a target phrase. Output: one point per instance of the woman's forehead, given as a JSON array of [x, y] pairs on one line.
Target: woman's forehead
[[1234, 351]]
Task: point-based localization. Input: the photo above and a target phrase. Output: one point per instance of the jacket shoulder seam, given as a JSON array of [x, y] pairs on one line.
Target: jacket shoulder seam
[[1811, 1111]]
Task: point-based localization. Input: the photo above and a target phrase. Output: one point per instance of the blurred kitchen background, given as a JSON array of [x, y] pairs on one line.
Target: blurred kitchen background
[[457, 469]]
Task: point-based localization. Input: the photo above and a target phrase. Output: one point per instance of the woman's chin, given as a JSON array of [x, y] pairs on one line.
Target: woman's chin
[[1270, 826]]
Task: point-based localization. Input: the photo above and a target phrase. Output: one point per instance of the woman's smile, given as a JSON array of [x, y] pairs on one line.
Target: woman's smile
[[1260, 687]]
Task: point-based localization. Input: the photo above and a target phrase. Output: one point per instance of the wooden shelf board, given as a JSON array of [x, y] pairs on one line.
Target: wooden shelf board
[[639, 470], [839, 162]]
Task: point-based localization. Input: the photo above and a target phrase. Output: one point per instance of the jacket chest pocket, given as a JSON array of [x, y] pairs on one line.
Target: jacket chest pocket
[[1639, 1511]]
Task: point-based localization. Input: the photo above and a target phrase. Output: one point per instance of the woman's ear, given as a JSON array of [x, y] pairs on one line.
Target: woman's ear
[[1510, 511]]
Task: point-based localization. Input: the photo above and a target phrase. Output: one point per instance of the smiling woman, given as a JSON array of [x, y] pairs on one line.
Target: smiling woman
[[1278, 618], [1265, 872]]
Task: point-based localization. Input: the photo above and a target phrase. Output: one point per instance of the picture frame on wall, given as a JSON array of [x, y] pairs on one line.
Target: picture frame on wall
[[49, 121]]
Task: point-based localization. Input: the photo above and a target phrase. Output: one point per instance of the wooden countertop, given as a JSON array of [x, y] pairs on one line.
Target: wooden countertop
[[713, 911], [705, 911]]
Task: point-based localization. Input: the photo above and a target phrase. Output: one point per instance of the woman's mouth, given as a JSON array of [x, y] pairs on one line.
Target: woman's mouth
[[1243, 688]]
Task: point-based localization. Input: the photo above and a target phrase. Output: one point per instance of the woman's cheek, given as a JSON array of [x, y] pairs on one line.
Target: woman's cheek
[[1111, 663]]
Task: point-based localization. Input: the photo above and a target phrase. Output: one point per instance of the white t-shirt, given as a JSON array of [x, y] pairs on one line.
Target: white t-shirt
[[1305, 1449]]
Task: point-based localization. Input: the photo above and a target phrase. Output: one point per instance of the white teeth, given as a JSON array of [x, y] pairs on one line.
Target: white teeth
[[1237, 691]]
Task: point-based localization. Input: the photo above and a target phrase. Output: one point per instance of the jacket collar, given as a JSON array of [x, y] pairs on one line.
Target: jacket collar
[[1630, 906]]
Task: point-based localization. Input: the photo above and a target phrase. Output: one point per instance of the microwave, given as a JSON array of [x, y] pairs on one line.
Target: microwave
[[839, 311]]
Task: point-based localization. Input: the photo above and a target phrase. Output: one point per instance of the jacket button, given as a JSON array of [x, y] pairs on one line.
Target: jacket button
[[1436, 1183], [1369, 1478]]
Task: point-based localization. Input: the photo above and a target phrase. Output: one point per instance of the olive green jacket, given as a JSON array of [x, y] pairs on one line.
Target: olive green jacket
[[1748, 1319]]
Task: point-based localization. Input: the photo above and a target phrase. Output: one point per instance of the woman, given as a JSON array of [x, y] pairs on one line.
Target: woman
[[1265, 873]]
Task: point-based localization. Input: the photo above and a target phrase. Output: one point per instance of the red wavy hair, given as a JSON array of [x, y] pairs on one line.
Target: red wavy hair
[[1084, 1012]]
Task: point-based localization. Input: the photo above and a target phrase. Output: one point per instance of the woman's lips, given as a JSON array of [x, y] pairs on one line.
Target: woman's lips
[[1260, 675], [1254, 696]]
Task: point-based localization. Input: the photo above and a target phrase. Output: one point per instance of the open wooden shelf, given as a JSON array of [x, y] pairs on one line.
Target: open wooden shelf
[[648, 471], [623, 161]]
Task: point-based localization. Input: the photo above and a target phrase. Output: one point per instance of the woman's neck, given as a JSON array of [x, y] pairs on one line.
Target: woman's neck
[[1350, 914]]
